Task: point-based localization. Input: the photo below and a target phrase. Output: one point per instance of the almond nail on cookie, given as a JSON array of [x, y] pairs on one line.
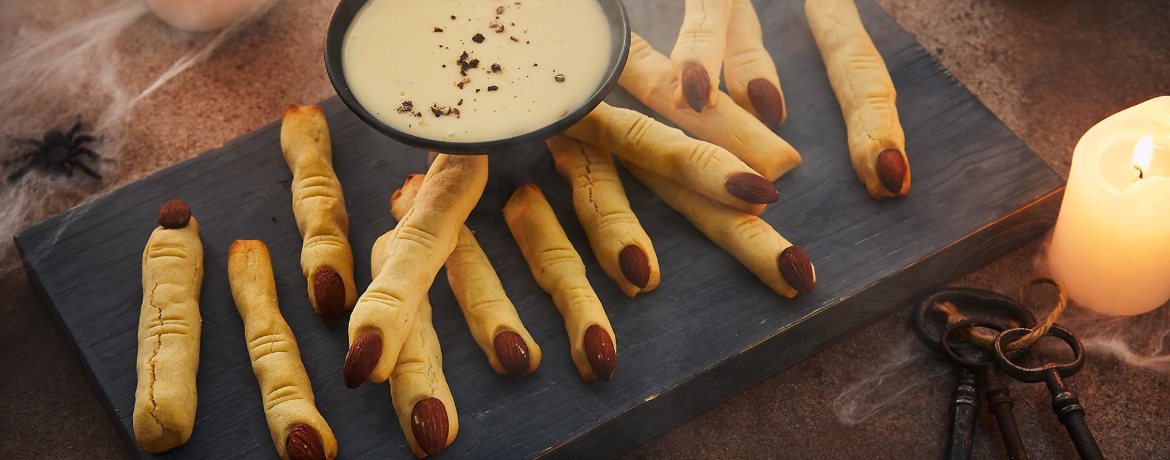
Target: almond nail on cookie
[[705, 168], [648, 77], [749, 71], [698, 52], [169, 328], [877, 145], [424, 238], [490, 315], [782, 266], [298, 430], [418, 388], [621, 246], [560, 272], [319, 207]]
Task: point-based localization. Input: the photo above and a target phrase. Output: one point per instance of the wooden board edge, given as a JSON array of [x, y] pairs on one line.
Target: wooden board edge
[[822, 328]]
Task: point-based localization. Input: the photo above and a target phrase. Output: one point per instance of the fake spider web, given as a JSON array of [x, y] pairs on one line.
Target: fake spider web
[[1141, 341], [90, 67]]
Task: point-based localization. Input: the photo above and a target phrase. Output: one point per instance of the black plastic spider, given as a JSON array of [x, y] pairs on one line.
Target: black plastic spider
[[56, 152]]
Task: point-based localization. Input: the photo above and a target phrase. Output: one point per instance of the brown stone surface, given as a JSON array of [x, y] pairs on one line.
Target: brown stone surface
[[1049, 69]]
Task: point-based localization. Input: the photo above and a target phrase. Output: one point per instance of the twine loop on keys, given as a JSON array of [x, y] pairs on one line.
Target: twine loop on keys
[[986, 340]]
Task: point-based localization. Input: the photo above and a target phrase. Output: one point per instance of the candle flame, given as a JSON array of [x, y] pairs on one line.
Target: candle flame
[[1143, 152]]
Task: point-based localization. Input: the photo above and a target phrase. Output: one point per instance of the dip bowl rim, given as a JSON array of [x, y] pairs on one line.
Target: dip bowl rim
[[346, 10]]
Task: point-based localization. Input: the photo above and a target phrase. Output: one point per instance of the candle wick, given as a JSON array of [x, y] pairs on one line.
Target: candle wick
[[1141, 174]]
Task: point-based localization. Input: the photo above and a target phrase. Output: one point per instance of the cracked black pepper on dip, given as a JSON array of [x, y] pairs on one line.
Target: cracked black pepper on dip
[[484, 76]]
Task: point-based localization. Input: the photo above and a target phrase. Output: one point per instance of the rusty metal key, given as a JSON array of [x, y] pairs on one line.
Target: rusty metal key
[[964, 402], [1065, 403], [964, 411], [995, 392]]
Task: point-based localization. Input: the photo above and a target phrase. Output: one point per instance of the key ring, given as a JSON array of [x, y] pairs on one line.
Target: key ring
[[989, 301], [988, 356], [1038, 374]]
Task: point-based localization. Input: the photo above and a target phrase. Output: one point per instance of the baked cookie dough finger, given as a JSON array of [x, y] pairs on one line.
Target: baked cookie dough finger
[[748, 70], [319, 207], [169, 328], [421, 397], [489, 313], [558, 269], [425, 236], [622, 247], [707, 169], [783, 267], [877, 145], [649, 78], [418, 388], [298, 430], [698, 53]]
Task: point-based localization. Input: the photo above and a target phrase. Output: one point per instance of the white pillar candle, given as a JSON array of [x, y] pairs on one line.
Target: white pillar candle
[[1111, 246]]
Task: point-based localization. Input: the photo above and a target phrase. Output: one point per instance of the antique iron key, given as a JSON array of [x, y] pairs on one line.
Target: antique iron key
[[995, 392], [964, 404], [1064, 402], [964, 411]]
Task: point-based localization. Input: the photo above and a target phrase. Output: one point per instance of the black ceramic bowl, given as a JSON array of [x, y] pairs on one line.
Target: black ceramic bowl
[[619, 26]]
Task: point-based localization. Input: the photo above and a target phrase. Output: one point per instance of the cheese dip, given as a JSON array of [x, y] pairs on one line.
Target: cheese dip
[[475, 70]]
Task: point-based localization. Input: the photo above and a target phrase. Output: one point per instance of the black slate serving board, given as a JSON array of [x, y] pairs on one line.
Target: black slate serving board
[[710, 331]]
